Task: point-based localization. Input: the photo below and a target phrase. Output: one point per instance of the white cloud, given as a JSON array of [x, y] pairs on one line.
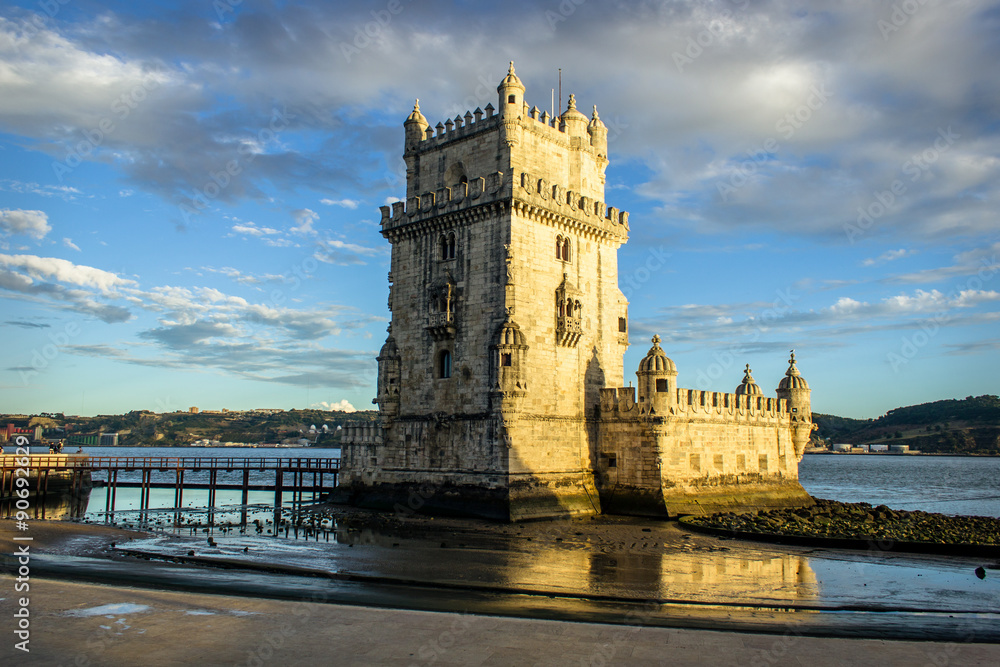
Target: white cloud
[[341, 406], [68, 242], [346, 203], [251, 229], [64, 271], [888, 256], [30, 223], [305, 219]]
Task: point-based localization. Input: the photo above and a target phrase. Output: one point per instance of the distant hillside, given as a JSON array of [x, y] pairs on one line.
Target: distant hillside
[[967, 426], [143, 428]]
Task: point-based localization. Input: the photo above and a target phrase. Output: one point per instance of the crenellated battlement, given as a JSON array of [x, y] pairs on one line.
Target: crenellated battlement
[[620, 403], [361, 434], [530, 190], [459, 127]]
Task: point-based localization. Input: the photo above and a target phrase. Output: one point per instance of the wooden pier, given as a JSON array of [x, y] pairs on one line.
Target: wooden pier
[[300, 475]]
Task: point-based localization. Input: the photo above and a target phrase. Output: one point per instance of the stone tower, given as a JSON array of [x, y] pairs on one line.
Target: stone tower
[[506, 320]]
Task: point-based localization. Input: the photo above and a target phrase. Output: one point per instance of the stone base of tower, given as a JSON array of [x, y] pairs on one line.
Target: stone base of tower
[[524, 498], [743, 497]]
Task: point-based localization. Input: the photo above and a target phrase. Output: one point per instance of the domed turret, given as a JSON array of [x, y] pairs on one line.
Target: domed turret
[[415, 127], [572, 122], [511, 94], [748, 387], [657, 377], [794, 389], [388, 378], [507, 368], [598, 134]]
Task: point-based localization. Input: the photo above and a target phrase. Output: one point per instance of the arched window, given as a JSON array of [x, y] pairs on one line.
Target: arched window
[[444, 364], [447, 245], [577, 309], [562, 248]]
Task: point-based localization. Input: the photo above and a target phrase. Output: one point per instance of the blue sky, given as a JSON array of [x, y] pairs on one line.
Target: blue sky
[[189, 191]]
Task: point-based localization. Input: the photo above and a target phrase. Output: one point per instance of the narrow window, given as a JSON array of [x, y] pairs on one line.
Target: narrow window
[[444, 364], [622, 325], [559, 246], [510, 99], [662, 385], [444, 246], [505, 359], [451, 246], [565, 250], [612, 460]]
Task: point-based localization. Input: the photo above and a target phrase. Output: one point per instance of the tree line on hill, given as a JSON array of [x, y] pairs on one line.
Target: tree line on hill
[[954, 426], [142, 428]]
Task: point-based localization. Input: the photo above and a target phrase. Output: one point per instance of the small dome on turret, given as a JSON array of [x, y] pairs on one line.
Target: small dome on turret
[[510, 335], [596, 122], [415, 115], [748, 387], [511, 80], [656, 360], [793, 379], [572, 121], [389, 349]]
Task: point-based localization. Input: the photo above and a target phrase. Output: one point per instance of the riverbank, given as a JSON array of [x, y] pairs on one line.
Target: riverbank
[[859, 525]]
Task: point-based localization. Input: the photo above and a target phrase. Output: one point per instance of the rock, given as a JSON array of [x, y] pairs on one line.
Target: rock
[[981, 572]]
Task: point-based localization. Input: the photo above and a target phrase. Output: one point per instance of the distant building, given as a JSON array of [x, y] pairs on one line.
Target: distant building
[[193, 410], [879, 448], [109, 440], [899, 449], [842, 447]]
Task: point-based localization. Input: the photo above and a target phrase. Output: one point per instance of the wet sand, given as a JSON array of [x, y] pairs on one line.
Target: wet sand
[[651, 576]]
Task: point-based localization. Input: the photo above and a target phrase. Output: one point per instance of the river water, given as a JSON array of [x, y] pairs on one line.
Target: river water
[[945, 484]]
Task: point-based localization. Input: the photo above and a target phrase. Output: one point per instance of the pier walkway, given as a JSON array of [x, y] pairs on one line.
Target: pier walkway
[[78, 472]]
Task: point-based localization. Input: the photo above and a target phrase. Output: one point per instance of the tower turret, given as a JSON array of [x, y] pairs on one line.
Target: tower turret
[[657, 379], [415, 128], [510, 94], [794, 388], [388, 379], [598, 134]]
